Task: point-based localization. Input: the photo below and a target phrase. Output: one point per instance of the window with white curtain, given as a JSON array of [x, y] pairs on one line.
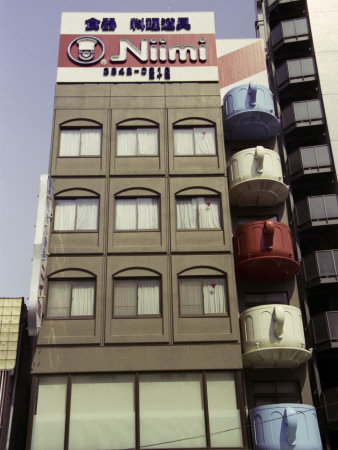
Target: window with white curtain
[[198, 213], [148, 410], [266, 298], [202, 296], [136, 297], [70, 298], [195, 141], [80, 142], [141, 213], [137, 141], [79, 214]]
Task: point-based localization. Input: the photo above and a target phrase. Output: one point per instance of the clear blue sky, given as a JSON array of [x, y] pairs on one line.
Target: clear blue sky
[[29, 36]]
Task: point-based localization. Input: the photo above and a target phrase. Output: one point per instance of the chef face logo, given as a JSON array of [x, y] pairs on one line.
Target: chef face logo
[[85, 50]]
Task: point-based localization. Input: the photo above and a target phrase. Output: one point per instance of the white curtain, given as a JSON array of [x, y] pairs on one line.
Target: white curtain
[[80, 142], [83, 298], [202, 212], [136, 297], [205, 141], [87, 214], [187, 213], [58, 302], [78, 214], [126, 142], [195, 141], [184, 141], [70, 143], [191, 300], [90, 142], [214, 296], [148, 296], [137, 141], [208, 209], [65, 213], [137, 214], [148, 141]]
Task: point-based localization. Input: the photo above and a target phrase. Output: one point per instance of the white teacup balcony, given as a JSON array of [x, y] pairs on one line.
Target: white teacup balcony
[[255, 178], [273, 337]]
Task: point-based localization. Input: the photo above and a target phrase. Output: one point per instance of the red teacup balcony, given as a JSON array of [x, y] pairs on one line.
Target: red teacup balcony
[[264, 252]]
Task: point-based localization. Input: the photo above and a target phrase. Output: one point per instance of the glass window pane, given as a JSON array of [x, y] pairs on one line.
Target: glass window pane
[[126, 142], [126, 214], [184, 141], [326, 263], [191, 299], [50, 416], [317, 209], [205, 141], [148, 294], [65, 213], [187, 213], [87, 214], [301, 111], [83, 294], [58, 301], [208, 212], [331, 205], [309, 157], [125, 298], [223, 411], [69, 143], [214, 296], [147, 141], [171, 409], [147, 214], [102, 412], [90, 142], [324, 155], [315, 109]]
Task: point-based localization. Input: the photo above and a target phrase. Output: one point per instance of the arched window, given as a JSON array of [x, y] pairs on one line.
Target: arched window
[[137, 138], [80, 140]]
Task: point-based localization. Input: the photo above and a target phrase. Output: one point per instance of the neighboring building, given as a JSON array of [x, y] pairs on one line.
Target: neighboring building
[[155, 247], [302, 54], [15, 358]]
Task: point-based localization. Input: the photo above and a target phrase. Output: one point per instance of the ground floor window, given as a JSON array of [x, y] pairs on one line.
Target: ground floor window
[[148, 410]]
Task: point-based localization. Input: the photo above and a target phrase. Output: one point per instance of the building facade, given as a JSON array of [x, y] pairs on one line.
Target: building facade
[[168, 313], [301, 47]]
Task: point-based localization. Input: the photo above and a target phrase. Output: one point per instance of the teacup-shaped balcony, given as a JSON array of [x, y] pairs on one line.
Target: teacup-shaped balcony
[[264, 252], [255, 178], [273, 337], [285, 426], [249, 113]]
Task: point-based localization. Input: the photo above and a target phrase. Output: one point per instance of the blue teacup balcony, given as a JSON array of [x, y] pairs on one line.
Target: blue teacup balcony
[[249, 113], [285, 426]]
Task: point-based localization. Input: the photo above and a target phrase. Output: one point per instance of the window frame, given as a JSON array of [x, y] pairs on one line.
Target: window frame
[[137, 128], [65, 199], [276, 397], [197, 197], [137, 315], [138, 230], [202, 279], [80, 128], [193, 127], [265, 294], [72, 280], [135, 378]]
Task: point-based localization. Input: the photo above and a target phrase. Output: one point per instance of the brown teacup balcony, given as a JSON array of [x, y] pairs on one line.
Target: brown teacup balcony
[[264, 252]]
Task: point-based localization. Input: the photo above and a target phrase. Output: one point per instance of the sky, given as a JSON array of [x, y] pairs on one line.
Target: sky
[[29, 36]]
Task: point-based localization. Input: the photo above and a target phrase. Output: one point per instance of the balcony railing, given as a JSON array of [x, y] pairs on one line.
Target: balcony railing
[[330, 402], [264, 252], [310, 160], [285, 426], [317, 211], [273, 337], [255, 178], [309, 113], [249, 113], [325, 330], [296, 71], [290, 31], [321, 267]]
